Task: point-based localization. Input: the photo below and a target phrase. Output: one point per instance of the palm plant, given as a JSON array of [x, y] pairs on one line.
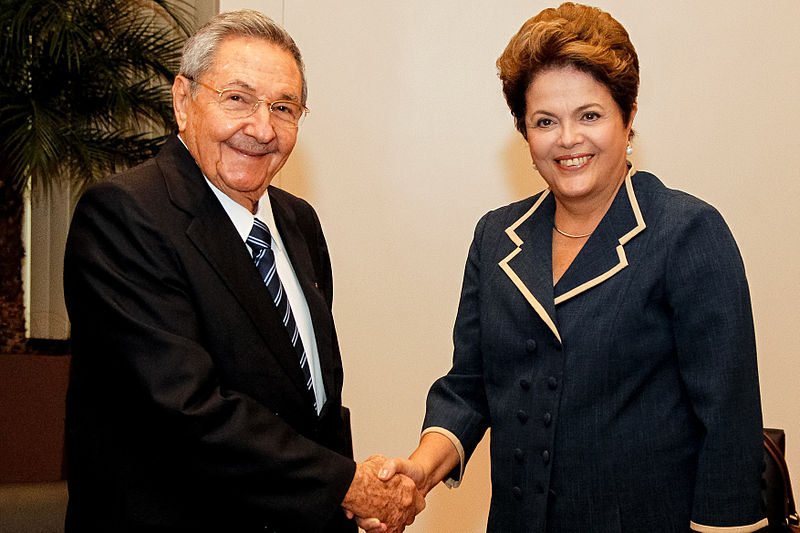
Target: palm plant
[[84, 92]]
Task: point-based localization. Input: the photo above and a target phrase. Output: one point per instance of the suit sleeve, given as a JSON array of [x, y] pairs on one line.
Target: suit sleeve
[[457, 402], [715, 340], [139, 359]]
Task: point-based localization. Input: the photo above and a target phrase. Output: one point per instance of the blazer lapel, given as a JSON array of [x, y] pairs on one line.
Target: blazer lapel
[[603, 255], [219, 243], [297, 249], [530, 264]]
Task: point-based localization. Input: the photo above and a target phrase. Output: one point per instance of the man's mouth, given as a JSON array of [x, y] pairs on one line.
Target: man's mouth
[[251, 151]]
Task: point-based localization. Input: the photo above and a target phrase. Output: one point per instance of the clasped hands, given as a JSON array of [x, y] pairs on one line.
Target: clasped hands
[[386, 494]]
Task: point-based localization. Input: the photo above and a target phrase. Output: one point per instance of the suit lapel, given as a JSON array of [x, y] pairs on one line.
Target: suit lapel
[[530, 264], [603, 255], [217, 240], [297, 248]]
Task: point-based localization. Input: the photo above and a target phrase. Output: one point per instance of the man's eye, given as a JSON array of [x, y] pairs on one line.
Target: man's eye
[[237, 98], [287, 110]]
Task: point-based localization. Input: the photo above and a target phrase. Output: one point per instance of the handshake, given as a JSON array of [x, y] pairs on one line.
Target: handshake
[[386, 494]]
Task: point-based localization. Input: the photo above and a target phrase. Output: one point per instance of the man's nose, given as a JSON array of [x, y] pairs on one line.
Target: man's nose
[[260, 125]]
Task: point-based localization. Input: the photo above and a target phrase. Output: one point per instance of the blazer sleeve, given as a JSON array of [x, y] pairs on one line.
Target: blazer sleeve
[[135, 329], [457, 401], [715, 340]]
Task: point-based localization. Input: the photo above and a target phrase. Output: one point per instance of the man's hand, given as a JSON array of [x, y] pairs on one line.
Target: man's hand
[[395, 502]]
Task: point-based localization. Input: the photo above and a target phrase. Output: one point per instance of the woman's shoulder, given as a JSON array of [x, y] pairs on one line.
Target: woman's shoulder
[[652, 194], [509, 213], [673, 210]]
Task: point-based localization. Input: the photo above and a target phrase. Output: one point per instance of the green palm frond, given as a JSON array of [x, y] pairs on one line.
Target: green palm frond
[[85, 89]]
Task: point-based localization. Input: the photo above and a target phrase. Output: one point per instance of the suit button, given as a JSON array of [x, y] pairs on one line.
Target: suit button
[[546, 457], [530, 346], [517, 492], [552, 383], [519, 455], [525, 384], [548, 419], [522, 416]]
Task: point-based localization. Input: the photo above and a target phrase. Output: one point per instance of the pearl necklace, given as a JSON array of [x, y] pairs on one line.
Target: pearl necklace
[[570, 235]]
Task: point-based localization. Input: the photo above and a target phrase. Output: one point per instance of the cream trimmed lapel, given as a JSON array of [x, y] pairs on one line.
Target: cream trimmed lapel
[[603, 255], [610, 233], [535, 268]]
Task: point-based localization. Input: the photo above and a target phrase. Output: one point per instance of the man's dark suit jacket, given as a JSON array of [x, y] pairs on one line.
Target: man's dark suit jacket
[[187, 409], [623, 399]]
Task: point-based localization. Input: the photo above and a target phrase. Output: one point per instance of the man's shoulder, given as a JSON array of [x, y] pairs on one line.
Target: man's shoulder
[[138, 184], [287, 198], [283, 201]]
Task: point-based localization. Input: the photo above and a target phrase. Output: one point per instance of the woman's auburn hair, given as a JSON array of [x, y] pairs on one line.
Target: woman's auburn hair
[[572, 35]]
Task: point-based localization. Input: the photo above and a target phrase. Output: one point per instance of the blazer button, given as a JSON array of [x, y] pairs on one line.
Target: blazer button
[[519, 455], [530, 346], [546, 457], [548, 419], [525, 384], [522, 416], [552, 383], [517, 492]]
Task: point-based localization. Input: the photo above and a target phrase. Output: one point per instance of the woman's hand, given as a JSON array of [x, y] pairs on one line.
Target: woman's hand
[[407, 467]]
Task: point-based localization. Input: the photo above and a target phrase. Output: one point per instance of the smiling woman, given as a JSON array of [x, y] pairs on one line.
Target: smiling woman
[[578, 141], [596, 319]]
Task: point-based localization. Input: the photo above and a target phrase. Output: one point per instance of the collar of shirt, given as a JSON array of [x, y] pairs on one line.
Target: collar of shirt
[[242, 218]]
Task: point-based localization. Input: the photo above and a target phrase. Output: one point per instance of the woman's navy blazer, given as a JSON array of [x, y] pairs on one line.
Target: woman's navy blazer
[[625, 397]]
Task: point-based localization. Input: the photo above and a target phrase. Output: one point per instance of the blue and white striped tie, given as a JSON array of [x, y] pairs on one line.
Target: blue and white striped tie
[[260, 240]]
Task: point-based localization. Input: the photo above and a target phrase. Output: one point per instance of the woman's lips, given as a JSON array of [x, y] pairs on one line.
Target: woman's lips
[[573, 162]]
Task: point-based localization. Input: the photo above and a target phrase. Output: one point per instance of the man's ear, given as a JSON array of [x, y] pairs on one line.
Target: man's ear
[[181, 99]]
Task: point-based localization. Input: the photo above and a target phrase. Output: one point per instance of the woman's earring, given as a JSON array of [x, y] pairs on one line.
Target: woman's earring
[[534, 167], [629, 149]]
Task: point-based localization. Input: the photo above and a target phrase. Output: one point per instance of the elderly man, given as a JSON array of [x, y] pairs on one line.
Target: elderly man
[[205, 392]]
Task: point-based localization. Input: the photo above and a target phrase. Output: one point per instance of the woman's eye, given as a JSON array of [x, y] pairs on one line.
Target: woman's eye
[[544, 123], [591, 116]]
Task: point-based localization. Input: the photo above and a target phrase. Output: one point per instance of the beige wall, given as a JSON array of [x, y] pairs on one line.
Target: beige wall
[[410, 142]]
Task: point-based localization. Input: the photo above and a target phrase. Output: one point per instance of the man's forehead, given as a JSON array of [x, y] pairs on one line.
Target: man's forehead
[[243, 46], [247, 61]]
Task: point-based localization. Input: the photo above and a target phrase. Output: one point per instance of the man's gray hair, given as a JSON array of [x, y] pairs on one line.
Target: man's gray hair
[[201, 48]]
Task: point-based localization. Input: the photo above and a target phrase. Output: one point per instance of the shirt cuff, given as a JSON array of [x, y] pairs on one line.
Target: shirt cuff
[[729, 529], [450, 482]]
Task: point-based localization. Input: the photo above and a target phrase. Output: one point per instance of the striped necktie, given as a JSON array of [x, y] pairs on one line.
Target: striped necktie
[[260, 240]]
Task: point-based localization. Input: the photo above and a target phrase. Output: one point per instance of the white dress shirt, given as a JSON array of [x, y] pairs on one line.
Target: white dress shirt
[[243, 221]]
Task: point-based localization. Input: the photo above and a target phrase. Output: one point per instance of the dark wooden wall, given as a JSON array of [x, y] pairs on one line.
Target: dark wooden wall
[[32, 392]]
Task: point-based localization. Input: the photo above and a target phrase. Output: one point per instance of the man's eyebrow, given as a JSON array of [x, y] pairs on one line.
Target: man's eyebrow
[[247, 87], [241, 85], [290, 97]]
